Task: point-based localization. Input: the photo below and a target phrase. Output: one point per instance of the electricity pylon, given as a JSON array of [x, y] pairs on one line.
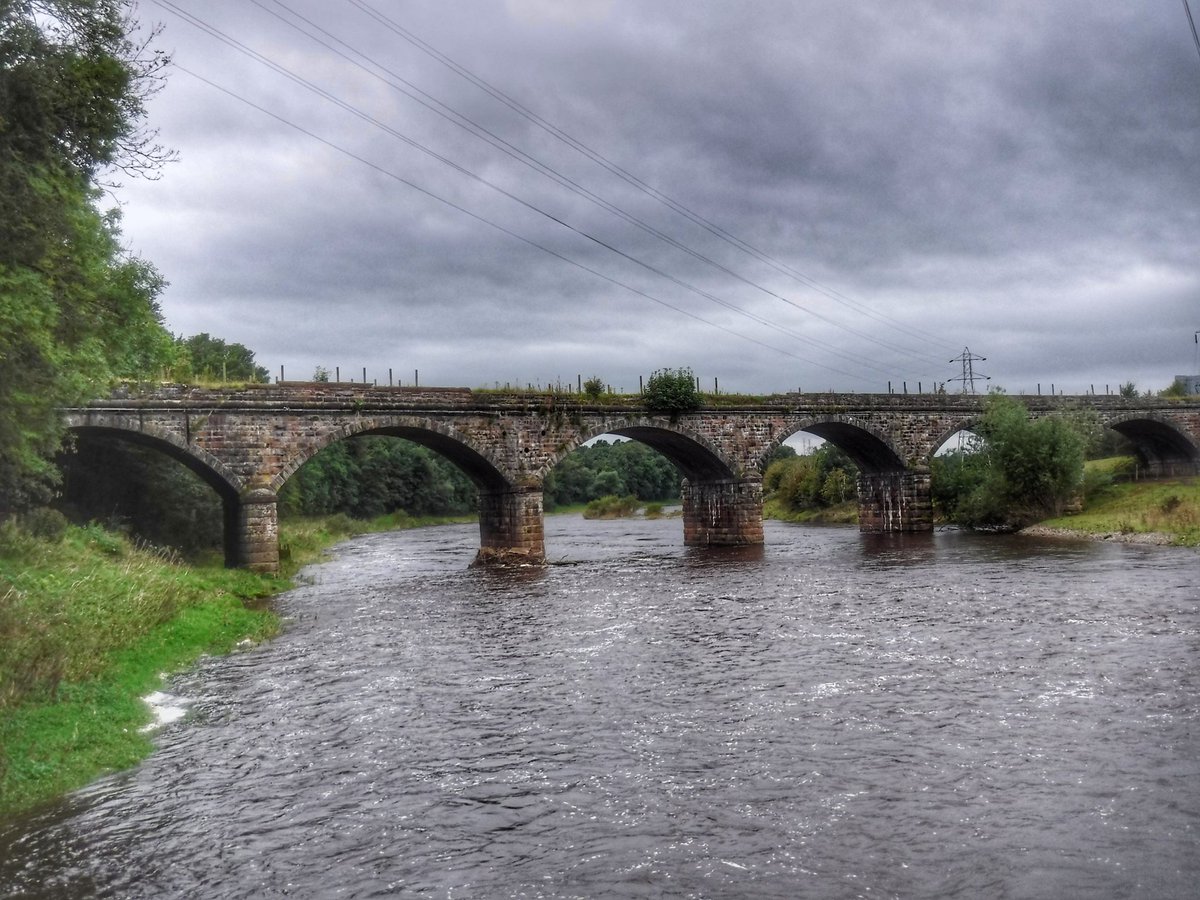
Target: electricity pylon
[[969, 376]]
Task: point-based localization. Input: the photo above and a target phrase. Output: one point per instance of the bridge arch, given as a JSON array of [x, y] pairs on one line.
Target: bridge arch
[[872, 450], [227, 485], [722, 502], [969, 423], [692, 453], [438, 436], [1165, 447], [211, 470]]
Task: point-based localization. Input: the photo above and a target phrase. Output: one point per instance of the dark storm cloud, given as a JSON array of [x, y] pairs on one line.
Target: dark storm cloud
[[1018, 178]]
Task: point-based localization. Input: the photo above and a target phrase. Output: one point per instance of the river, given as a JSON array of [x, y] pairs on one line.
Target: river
[[833, 715]]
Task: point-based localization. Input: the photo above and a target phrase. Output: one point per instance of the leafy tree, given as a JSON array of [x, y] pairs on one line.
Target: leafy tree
[[1129, 389], [593, 387], [211, 359], [1025, 470], [75, 310], [623, 467], [672, 391], [371, 476], [606, 483], [815, 480]]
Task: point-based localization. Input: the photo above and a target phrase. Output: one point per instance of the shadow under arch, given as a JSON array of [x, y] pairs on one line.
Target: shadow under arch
[[869, 449], [1163, 446], [692, 454], [211, 470], [440, 438], [227, 485]]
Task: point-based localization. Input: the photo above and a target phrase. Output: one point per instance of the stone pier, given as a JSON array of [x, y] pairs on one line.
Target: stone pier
[[256, 536], [895, 501], [511, 529], [722, 513]]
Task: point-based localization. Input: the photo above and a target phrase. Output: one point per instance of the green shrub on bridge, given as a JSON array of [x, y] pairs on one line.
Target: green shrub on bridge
[[672, 391]]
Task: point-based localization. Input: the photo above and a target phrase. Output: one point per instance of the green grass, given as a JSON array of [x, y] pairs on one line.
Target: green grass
[[840, 514], [1168, 506], [88, 625]]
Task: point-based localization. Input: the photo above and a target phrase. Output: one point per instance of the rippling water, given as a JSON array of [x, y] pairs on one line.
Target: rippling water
[[836, 715]]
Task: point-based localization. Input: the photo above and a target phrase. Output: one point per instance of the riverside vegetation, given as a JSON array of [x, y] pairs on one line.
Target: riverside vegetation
[[90, 620]]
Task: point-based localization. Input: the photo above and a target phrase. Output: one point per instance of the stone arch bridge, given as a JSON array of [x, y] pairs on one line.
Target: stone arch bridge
[[247, 442]]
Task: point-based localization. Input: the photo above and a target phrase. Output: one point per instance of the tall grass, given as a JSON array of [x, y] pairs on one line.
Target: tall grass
[[87, 626]]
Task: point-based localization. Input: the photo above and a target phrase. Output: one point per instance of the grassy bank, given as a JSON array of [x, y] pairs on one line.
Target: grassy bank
[[88, 625], [1167, 507], [841, 514]]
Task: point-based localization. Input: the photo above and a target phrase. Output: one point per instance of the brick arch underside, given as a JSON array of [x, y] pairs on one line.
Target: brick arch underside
[[690, 453], [1158, 440], [482, 472], [869, 451], [210, 470]]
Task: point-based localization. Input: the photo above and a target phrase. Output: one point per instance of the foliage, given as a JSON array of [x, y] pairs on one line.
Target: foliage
[[75, 311], [211, 359], [623, 467], [1023, 470], [321, 375], [1177, 388], [140, 492], [818, 480], [1128, 389], [86, 632], [611, 507], [593, 388], [672, 391], [45, 523], [366, 477]]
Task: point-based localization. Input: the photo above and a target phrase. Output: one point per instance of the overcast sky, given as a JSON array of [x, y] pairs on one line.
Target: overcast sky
[[795, 194]]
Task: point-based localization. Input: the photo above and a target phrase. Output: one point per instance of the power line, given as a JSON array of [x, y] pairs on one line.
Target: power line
[[627, 176], [501, 228], [448, 113], [366, 117], [969, 376], [1192, 23]]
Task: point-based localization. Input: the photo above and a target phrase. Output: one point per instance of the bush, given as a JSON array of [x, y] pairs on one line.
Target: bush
[[45, 524], [593, 387], [611, 507], [1027, 470], [672, 391]]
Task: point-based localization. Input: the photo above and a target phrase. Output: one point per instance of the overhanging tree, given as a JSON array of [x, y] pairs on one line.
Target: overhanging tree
[[75, 310]]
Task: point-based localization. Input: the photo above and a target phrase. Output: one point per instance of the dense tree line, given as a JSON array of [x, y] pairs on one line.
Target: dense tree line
[[203, 357], [620, 468], [369, 476]]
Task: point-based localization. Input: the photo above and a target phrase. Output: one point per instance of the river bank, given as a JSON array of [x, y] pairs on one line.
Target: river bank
[[90, 623], [1165, 512]]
